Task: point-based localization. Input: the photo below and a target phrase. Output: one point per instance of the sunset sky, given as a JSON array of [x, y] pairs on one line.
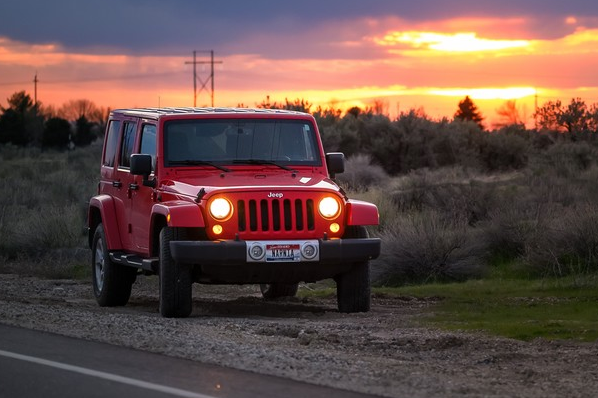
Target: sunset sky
[[426, 53]]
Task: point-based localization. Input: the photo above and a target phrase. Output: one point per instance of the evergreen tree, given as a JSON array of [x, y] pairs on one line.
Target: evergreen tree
[[57, 133], [84, 133], [21, 123], [469, 111]]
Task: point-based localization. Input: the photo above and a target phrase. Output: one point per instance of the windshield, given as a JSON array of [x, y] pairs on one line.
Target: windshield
[[240, 141]]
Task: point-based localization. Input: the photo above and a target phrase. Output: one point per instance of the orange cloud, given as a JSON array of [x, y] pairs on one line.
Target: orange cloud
[[454, 42], [503, 93], [427, 64]]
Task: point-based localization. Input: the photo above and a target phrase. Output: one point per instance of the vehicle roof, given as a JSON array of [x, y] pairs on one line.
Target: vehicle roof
[[156, 113]]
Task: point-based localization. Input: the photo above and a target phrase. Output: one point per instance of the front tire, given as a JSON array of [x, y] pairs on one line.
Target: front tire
[[353, 289], [176, 298], [276, 290], [112, 282]]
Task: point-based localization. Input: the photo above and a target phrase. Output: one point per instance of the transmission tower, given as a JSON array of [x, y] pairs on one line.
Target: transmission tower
[[203, 82]]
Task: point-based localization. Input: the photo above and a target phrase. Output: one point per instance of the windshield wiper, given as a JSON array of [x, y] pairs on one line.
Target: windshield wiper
[[260, 162], [198, 163]]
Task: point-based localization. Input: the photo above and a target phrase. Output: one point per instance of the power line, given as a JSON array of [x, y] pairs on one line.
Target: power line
[[97, 79]]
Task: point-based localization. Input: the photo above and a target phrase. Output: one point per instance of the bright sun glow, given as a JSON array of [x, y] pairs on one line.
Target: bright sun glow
[[507, 93], [457, 42]]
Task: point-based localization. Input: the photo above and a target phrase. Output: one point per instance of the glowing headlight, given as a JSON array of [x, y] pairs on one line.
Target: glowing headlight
[[221, 209], [329, 207]]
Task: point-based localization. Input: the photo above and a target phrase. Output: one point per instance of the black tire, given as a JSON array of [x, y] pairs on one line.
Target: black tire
[[111, 282], [353, 289], [176, 298], [276, 290]]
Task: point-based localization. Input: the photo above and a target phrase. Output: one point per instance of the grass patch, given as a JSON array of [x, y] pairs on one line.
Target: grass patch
[[563, 308]]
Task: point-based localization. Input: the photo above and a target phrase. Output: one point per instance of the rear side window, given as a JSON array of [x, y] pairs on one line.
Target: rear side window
[[128, 142], [148, 142], [111, 142]]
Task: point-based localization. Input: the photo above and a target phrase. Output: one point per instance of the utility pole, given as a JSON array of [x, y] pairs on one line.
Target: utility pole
[[536, 109], [35, 88], [209, 79]]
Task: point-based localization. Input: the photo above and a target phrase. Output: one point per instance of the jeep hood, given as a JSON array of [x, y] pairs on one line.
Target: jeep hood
[[190, 185]]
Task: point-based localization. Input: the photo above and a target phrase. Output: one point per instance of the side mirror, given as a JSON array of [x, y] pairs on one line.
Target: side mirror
[[335, 161], [141, 165]]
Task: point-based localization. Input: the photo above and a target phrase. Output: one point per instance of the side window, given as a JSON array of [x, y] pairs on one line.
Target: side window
[[111, 142], [148, 142], [128, 142]]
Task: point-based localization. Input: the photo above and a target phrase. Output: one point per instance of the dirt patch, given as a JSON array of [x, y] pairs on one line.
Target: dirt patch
[[382, 352]]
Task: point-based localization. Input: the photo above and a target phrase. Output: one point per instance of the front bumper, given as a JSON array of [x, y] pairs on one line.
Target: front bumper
[[229, 253]]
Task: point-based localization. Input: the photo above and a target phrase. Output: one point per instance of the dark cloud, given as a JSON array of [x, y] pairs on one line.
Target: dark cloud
[[258, 26]]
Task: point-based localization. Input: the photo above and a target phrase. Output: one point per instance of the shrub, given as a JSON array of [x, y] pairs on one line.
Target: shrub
[[568, 245], [510, 228], [428, 246], [451, 190], [502, 152], [360, 174], [569, 158]]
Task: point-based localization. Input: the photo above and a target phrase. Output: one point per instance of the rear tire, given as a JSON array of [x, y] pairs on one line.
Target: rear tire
[[176, 298], [353, 289], [275, 290], [112, 282]]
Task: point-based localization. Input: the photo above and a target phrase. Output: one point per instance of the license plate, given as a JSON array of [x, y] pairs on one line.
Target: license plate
[[283, 253]]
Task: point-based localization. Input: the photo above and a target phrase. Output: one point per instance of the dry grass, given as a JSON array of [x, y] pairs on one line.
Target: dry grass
[[455, 224], [42, 209], [428, 246]]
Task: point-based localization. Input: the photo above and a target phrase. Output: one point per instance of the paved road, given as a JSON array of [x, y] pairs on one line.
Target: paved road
[[37, 364]]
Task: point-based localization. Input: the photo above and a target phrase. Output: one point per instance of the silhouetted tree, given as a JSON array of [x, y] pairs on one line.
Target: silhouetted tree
[[299, 105], [76, 109], [573, 118], [57, 132], [509, 115], [83, 132], [354, 111], [21, 123], [379, 107], [469, 111], [593, 118]]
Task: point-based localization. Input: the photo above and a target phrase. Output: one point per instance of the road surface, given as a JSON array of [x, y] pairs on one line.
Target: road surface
[[37, 364]]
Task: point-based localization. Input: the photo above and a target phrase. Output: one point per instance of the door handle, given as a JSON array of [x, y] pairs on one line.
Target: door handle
[[133, 187], [117, 184]]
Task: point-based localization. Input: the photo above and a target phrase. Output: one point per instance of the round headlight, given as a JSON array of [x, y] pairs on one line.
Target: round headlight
[[329, 207], [221, 209]]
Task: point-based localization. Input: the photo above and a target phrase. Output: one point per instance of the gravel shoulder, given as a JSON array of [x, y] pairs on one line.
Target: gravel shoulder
[[382, 352]]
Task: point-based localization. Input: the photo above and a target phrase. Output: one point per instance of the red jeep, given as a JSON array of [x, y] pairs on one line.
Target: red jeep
[[224, 196]]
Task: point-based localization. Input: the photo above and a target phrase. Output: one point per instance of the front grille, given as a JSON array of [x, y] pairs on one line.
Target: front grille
[[276, 215]]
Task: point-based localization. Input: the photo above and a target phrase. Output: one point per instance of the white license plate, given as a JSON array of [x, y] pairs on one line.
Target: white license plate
[[283, 252]]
